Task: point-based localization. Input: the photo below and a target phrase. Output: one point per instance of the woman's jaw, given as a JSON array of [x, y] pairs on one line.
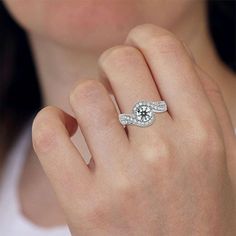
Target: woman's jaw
[[97, 24]]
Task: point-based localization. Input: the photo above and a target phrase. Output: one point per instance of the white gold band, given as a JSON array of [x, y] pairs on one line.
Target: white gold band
[[143, 114]]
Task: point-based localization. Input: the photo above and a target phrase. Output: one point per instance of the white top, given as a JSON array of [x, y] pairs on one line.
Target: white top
[[12, 222]]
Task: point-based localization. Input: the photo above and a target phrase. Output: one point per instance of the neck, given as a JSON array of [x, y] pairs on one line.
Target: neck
[[59, 69]]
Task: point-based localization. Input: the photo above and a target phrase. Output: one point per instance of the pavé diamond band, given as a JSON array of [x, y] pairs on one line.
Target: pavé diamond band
[[143, 113]]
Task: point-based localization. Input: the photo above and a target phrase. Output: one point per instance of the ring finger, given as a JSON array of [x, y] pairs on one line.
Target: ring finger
[[131, 82]]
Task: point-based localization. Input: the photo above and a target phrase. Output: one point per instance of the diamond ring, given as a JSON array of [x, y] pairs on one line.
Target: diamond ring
[[143, 113]]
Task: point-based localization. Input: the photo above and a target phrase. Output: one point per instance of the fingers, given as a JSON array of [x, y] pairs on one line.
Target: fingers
[[98, 120], [128, 75], [173, 71], [61, 161], [217, 101], [131, 82], [222, 114]]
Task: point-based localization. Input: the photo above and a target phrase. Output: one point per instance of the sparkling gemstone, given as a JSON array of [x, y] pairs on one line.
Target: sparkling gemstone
[[143, 113]]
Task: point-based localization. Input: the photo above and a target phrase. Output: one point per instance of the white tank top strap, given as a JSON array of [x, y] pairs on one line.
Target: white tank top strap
[[12, 170]]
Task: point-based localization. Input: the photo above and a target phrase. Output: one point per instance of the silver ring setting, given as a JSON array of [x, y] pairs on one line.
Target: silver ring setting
[[143, 113]]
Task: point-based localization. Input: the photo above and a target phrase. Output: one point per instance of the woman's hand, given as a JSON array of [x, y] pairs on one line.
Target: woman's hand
[[174, 177]]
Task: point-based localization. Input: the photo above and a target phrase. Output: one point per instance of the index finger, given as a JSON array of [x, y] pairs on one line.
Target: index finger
[[60, 159]]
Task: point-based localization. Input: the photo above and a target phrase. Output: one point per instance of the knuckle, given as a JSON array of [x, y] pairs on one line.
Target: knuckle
[[200, 135], [118, 56], [143, 30], [153, 36], [126, 188], [87, 90], [156, 153], [84, 101], [43, 131], [123, 185], [208, 140], [166, 43], [95, 211]]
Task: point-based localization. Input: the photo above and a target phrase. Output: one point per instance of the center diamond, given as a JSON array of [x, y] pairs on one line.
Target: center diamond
[[143, 113]]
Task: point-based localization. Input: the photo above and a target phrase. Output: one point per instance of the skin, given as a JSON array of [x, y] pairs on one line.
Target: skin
[[140, 172]]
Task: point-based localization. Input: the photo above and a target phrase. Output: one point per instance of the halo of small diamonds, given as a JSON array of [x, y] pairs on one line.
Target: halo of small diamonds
[[143, 113]]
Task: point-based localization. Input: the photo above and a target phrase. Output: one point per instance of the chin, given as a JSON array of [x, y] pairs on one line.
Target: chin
[[90, 28], [94, 24], [74, 23]]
